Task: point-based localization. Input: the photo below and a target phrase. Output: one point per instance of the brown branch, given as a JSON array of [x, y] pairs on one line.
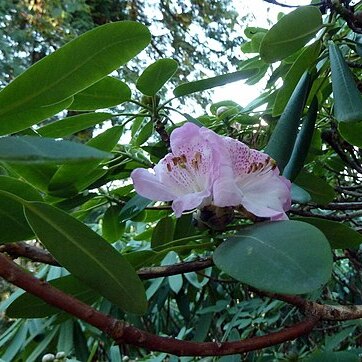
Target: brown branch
[[39, 255], [332, 138], [310, 214], [28, 251], [341, 206], [124, 333], [179, 268], [320, 311]]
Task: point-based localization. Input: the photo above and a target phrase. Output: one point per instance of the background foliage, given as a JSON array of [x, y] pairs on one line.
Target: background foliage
[[70, 192]]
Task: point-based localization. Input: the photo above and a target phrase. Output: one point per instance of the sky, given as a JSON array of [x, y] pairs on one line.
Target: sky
[[262, 12]]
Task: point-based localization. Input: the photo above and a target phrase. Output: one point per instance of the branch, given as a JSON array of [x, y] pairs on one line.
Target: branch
[[28, 251], [39, 255], [320, 311], [332, 138], [123, 332], [274, 2], [179, 268], [308, 213]]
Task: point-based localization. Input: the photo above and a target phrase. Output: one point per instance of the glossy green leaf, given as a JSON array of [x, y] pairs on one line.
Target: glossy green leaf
[[38, 175], [204, 84], [33, 115], [87, 256], [70, 125], [299, 195], [13, 225], [302, 143], [46, 150], [288, 257], [281, 142], [163, 232], [155, 76], [291, 33], [70, 69], [306, 59], [141, 258], [320, 191], [73, 178], [112, 228], [29, 306], [351, 132], [107, 92], [339, 235], [347, 97], [144, 134], [133, 207]]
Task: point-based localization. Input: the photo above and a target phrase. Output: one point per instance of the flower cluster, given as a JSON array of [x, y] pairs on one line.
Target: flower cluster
[[207, 169]]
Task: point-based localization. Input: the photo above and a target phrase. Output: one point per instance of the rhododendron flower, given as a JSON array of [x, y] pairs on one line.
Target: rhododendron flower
[[184, 176], [249, 178], [207, 169]]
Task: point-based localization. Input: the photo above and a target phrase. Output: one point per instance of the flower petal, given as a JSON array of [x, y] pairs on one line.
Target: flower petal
[[266, 195], [149, 185], [191, 201]]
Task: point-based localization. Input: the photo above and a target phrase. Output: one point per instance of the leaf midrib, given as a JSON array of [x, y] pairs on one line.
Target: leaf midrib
[[25, 100], [294, 262], [79, 246]]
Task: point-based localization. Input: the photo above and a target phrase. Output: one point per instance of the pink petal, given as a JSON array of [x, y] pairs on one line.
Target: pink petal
[[190, 202], [184, 176], [266, 195], [148, 185]]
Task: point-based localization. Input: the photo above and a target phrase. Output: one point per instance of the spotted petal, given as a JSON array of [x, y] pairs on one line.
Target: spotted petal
[[184, 176], [250, 178]]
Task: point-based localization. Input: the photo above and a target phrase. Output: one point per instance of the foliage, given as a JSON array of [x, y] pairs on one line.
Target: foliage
[[71, 209], [31, 30]]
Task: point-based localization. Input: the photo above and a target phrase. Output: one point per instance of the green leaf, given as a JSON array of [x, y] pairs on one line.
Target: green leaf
[[339, 235], [38, 175], [87, 256], [13, 225], [155, 76], [332, 342], [351, 132], [107, 92], [291, 33], [281, 142], [144, 134], [70, 179], [320, 191], [204, 84], [163, 232], [288, 257], [306, 59], [72, 68], [29, 306], [299, 195], [302, 143], [184, 226], [347, 97], [70, 125], [112, 228], [133, 207], [333, 357], [31, 149]]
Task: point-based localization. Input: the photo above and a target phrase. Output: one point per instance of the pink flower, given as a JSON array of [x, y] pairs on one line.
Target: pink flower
[[205, 168], [184, 176], [249, 178]]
